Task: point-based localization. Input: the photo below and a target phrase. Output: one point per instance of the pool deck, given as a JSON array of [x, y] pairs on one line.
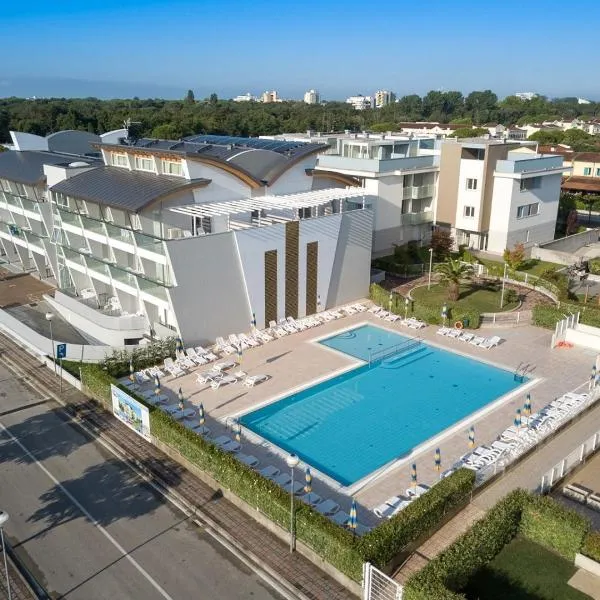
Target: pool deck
[[294, 362]]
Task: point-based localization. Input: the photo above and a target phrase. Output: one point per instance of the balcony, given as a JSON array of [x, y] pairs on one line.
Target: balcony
[[418, 192], [341, 163], [531, 165], [417, 218]]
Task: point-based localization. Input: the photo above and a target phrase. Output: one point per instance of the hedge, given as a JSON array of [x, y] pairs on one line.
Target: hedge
[[429, 313], [449, 572], [387, 540], [335, 544], [547, 316], [591, 546], [553, 526]]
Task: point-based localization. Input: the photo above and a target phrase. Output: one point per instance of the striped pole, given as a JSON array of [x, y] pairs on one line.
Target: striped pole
[[438, 460], [413, 475], [472, 437]]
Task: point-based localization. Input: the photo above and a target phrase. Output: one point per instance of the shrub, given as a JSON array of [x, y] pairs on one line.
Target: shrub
[[382, 544], [149, 355], [550, 524], [547, 316], [511, 296], [450, 572], [591, 545]]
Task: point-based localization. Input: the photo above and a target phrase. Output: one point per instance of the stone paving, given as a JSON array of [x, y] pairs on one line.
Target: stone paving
[[18, 588], [294, 361]]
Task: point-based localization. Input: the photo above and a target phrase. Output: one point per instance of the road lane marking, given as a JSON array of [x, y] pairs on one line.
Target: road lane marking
[[94, 522]]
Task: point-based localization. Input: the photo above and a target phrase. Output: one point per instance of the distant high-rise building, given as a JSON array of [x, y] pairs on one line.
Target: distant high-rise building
[[526, 95], [312, 97], [360, 102], [383, 98], [270, 96], [583, 101], [247, 97]]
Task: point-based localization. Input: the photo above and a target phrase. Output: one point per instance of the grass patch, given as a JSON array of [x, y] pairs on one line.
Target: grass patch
[[532, 266], [524, 570], [482, 298]]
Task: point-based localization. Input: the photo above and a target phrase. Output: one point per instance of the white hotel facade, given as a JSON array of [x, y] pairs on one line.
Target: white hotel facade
[[195, 238]]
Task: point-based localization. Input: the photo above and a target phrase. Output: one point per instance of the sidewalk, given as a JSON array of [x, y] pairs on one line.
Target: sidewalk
[[18, 588], [263, 548]]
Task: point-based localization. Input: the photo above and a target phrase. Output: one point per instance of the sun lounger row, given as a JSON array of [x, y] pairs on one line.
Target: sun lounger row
[[392, 506], [393, 318], [583, 495], [470, 338]]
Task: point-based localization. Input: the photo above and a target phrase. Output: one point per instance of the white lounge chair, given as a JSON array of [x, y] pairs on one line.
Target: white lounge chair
[[392, 318], [142, 377], [194, 356], [282, 479], [224, 347], [174, 369], [249, 341], [328, 507], [206, 353], [478, 339], [270, 472], [349, 310], [248, 459], [416, 491], [155, 371], [359, 307], [216, 383], [454, 333], [185, 362], [386, 509], [374, 309], [226, 364], [466, 337], [197, 428], [490, 342], [297, 325], [311, 499], [208, 376], [263, 336], [444, 330], [254, 379], [227, 444], [155, 400], [416, 324], [297, 489]]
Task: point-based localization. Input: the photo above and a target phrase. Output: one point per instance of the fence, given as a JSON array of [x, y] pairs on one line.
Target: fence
[[560, 331], [378, 586], [522, 317], [570, 462]]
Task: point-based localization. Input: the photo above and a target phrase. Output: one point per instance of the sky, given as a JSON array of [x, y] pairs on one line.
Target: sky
[[117, 48]]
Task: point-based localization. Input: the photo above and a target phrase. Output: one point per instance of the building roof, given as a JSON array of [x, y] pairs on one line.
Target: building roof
[[587, 156], [121, 188], [581, 184], [260, 159], [431, 125], [27, 166]]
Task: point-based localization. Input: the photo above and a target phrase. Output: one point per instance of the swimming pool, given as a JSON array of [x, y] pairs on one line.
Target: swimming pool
[[352, 424]]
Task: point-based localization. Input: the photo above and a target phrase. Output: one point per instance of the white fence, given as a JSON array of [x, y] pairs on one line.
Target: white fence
[[560, 331], [567, 464], [378, 586]]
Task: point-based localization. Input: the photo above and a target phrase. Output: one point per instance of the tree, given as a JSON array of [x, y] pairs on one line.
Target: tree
[[515, 257], [189, 97], [213, 99], [547, 137], [441, 243], [572, 222], [469, 132], [482, 107], [3, 149], [452, 274]]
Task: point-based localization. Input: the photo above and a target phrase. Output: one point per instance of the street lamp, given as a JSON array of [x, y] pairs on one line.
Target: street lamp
[[49, 317], [3, 520], [430, 268], [391, 300], [292, 461], [503, 282], [406, 303]]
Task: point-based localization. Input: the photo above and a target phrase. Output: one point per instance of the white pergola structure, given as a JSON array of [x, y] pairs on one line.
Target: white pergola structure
[[291, 202]]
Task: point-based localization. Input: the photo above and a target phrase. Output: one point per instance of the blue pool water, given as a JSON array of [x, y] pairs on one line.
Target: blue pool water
[[352, 424]]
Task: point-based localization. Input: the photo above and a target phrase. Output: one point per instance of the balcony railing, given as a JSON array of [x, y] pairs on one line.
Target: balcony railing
[[337, 162], [417, 192], [416, 218]]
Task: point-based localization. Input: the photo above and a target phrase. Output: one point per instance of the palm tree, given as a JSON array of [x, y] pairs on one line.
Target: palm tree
[[452, 272]]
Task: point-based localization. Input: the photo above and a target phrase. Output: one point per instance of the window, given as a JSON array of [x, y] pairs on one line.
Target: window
[[120, 160], [305, 213], [597, 172], [61, 199], [203, 225], [587, 170], [528, 210], [170, 167], [144, 163], [21, 189], [471, 184], [532, 183], [136, 222], [4, 185], [469, 211]]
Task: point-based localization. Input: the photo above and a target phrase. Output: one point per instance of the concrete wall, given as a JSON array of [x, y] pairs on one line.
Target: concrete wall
[[448, 183], [584, 335], [469, 169], [573, 242]]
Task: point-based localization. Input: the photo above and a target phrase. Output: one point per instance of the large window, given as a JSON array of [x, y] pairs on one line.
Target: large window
[[170, 167], [144, 163], [533, 183], [587, 170], [597, 172], [528, 210], [120, 160], [21, 189], [471, 184], [61, 199], [469, 211], [4, 185]]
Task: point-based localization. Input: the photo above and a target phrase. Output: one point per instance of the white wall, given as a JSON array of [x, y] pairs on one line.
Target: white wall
[[469, 169], [294, 179]]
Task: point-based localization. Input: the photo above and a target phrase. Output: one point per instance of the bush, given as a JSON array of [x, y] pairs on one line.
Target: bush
[[591, 546], [545, 315], [386, 541], [450, 571], [149, 355], [553, 526]]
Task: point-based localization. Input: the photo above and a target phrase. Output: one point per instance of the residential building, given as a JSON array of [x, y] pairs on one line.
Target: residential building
[[360, 102], [247, 97], [493, 195], [312, 97], [195, 238], [583, 101], [428, 128], [585, 176], [383, 98], [399, 172], [526, 95], [269, 97], [516, 133]]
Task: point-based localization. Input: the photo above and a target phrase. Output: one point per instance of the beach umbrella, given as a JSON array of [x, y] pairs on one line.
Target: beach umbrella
[[239, 353], [253, 322], [518, 418], [238, 433], [438, 460], [593, 376], [391, 300], [406, 303], [179, 346], [445, 312], [527, 407], [352, 521], [413, 474], [131, 371], [472, 437], [156, 386], [201, 413], [180, 396], [308, 481]]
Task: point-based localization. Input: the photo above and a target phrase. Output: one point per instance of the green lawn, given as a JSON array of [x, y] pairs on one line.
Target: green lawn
[[482, 298], [531, 266], [524, 571]]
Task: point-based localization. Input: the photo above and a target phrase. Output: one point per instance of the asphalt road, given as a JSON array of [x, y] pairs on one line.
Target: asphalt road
[[89, 528]]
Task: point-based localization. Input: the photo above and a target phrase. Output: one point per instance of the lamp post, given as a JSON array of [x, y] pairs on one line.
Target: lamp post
[[406, 303], [503, 282], [292, 461], [391, 301], [430, 268], [3, 520], [49, 317]]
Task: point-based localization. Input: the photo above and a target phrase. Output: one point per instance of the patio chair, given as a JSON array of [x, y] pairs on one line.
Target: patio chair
[[444, 330], [311, 499], [222, 346], [227, 444], [490, 342], [197, 428], [387, 508], [208, 376], [454, 333], [282, 479], [466, 337], [263, 336], [374, 309], [416, 491], [249, 341], [270, 472], [216, 383], [328, 507], [174, 369], [194, 356], [254, 379], [297, 489], [349, 310], [248, 459], [223, 366], [478, 339], [206, 353]]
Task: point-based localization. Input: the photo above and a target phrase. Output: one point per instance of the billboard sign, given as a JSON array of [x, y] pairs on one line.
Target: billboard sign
[[130, 412]]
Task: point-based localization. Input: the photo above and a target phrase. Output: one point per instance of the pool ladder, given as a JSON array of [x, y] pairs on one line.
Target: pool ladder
[[521, 372]]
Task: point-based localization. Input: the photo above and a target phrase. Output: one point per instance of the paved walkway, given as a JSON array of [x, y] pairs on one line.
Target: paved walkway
[[258, 544], [527, 475], [18, 588]]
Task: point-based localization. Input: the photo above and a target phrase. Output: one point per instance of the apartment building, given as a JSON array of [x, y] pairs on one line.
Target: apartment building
[[399, 172], [196, 238], [360, 102], [383, 98], [492, 194], [312, 97]]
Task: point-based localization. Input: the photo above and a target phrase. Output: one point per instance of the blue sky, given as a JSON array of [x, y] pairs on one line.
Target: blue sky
[[340, 48]]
